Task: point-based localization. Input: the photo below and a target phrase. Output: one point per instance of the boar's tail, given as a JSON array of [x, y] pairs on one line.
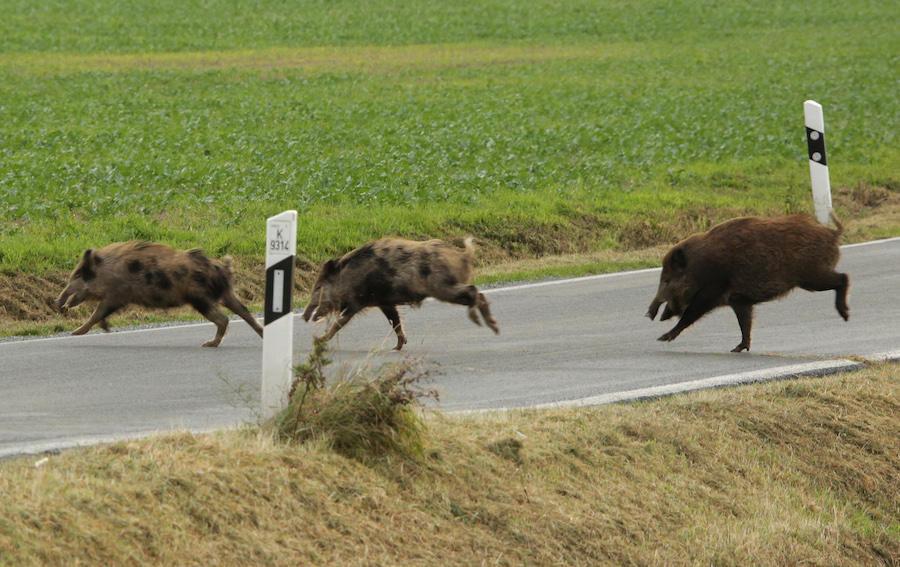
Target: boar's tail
[[469, 252], [837, 223], [470, 247], [227, 261]]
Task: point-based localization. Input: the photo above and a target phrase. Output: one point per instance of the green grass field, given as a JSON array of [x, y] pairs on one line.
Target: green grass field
[[541, 127]]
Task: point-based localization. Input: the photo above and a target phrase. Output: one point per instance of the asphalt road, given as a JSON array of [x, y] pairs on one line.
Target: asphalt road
[[578, 341]]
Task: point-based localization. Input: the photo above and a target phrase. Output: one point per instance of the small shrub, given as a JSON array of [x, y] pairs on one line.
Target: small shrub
[[374, 413]]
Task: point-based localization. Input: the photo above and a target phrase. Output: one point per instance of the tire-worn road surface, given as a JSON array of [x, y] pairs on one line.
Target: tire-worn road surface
[[579, 341]]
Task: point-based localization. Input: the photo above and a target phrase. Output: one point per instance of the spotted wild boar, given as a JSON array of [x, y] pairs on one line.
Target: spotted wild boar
[[745, 261], [390, 272], [153, 275]]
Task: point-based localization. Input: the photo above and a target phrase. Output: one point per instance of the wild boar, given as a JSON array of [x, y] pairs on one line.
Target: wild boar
[[390, 272], [745, 261], [153, 275]]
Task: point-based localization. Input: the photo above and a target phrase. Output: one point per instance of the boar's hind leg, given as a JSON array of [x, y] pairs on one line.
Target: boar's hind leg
[[485, 309], [390, 311], [469, 296], [99, 315], [231, 301], [744, 313], [214, 314], [840, 283]]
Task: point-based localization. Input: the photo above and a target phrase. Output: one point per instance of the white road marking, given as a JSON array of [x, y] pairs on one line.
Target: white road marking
[[819, 368]]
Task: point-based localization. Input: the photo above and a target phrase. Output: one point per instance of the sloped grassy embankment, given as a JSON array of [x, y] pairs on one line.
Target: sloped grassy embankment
[[783, 473]]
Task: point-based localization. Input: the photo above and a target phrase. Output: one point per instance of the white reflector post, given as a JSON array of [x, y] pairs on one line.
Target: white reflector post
[[278, 332], [818, 165]]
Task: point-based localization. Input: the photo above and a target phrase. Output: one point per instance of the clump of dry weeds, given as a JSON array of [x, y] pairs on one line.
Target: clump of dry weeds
[[369, 415]]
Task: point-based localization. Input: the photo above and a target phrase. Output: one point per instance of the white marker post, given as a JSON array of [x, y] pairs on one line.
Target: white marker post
[[278, 330], [818, 165]]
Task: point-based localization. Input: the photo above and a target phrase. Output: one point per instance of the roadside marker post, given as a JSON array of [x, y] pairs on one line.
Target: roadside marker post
[[278, 326], [818, 165]]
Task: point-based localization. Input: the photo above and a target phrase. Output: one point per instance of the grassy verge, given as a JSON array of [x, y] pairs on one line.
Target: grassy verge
[[568, 246], [774, 474]]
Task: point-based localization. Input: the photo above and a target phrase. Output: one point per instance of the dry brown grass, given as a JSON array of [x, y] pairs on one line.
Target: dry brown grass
[[787, 473]]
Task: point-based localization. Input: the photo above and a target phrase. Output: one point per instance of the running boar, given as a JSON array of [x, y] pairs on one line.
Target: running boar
[[391, 272], [746, 261], [153, 275]]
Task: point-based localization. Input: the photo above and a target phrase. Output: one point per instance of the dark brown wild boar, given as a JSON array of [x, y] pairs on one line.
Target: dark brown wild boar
[[391, 272], [746, 261], [153, 275]]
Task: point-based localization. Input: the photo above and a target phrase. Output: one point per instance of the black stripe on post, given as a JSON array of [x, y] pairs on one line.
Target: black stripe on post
[[275, 312], [816, 142]]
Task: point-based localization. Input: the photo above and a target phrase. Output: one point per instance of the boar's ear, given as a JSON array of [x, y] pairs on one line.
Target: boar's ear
[[331, 267], [88, 260], [91, 257], [679, 260]]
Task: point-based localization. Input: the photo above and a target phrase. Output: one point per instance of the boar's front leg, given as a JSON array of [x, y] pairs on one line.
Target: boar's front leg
[[99, 315], [390, 311], [338, 324], [744, 313], [703, 302]]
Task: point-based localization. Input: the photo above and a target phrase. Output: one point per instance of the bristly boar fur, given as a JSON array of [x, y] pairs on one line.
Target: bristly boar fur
[[390, 272], [153, 275], [746, 261]]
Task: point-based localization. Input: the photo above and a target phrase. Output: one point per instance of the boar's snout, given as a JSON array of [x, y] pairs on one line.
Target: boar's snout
[[317, 310], [673, 308], [69, 299], [310, 309], [669, 312], [60, 302], [654, 308]]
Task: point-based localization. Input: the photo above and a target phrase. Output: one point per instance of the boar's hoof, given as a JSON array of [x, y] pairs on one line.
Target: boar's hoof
[[488, 319], [401, 340], [740, 347], [668, 337], [212, 343]]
